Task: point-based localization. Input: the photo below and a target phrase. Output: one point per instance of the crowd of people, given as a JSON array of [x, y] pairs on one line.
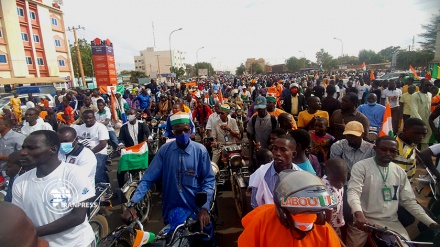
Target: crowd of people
[[303, 130]]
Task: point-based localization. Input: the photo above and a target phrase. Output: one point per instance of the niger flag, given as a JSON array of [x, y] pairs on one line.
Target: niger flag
[[372, 77], [387, 125], [134, 157], [413, 72], [364, 67]]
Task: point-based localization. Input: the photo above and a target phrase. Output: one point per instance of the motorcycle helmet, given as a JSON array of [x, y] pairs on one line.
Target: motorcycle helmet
[[301, 192]]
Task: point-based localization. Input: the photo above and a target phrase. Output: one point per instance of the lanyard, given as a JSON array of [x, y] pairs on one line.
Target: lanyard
[[384, 179]]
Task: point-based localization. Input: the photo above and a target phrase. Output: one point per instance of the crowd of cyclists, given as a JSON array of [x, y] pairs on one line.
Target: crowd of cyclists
[[319, 129]]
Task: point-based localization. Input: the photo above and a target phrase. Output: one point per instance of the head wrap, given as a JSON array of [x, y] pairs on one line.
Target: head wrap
[[179, 118]]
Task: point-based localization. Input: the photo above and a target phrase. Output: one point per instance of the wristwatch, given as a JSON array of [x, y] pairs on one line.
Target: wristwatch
[[131, 204]]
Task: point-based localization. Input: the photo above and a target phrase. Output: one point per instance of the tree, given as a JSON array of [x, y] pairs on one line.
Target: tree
[[414, 58], [370, 57], [388, 52], [86, 58], [294, 64], [326, 60], [240, 70], [255, 69], [430, 34], [178, 71], [125, 72]]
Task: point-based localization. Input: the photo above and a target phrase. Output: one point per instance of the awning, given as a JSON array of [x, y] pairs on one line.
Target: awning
[[35, 80]]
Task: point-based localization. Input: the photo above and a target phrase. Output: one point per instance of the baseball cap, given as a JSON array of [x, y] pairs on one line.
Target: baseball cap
[[294, 85], [354, 128], [260, 102]]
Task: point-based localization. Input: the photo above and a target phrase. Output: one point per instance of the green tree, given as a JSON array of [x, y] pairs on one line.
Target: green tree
[[135, 75], [326, 60], [294, 64], [86, 58], [430, 34], [414, 58], [203, 65], [240, 70], [178, 71], [255, 69], [370, 57], [388, 52]]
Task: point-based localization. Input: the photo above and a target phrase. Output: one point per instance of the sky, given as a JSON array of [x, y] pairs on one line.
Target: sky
[[233, 30]]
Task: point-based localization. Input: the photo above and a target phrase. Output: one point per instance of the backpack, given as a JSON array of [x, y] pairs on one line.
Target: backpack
[[273, 120]]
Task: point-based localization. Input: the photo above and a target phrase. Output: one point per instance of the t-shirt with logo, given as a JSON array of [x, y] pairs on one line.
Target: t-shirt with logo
[[86, 160], [46, 200], [91, 136]]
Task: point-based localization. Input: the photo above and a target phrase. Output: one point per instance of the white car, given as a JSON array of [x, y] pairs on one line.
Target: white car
[[24, 99]]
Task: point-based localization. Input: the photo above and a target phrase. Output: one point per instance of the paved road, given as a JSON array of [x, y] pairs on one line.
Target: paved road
[[227, 231]]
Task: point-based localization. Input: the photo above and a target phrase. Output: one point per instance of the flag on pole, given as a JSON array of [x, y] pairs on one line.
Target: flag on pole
[[372, 77], [134, 157], [220, 96], [364, 67], [387, 124], [320, 68], [413, 72], [111, 91]]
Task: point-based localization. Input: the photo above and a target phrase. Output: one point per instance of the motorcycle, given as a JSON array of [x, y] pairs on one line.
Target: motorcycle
[[134, 234], [144, 208], [97, 212], [384, 237], [157, 130], [236, 171]]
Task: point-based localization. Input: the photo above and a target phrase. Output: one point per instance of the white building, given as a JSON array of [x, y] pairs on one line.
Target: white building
[[153, 62]]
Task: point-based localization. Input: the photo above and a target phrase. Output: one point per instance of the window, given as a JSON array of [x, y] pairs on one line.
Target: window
[[29, 60], [1, 33], [36, 38], [57, 42], [40, 61], [54, 22], [3, 58], [20, 12], [32, 15], [61, 63], [24, 37]]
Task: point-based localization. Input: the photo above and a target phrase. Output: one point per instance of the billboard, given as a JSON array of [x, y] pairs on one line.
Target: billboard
[[104, 62]]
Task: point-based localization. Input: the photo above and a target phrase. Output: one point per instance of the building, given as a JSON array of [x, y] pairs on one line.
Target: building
[[33, 43], [153, 62], [259, 61]]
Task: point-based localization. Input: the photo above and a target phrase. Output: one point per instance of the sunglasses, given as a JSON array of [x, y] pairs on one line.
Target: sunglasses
[[392, 151]]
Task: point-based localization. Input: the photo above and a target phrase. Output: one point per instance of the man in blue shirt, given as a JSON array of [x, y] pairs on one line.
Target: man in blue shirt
[[373, 111], [144, 101], [184, 168]]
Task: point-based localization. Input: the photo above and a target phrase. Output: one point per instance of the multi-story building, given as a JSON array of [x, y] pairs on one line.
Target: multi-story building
[[153, 62], [33, 42], [259, 61]]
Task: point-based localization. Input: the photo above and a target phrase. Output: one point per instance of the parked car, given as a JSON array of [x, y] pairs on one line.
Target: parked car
[[24, 99]]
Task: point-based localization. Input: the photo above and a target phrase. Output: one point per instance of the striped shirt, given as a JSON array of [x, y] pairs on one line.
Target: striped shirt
[[406, 158]]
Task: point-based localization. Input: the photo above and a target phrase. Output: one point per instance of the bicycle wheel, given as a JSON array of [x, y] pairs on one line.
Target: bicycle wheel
[[100, 226], [145, 204]]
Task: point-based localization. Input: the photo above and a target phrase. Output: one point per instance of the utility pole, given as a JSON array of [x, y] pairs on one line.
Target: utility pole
[[158, 66], [78, 53]]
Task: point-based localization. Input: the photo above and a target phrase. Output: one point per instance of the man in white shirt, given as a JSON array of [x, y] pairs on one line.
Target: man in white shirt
[[393, 95], [104, 116], [95, 97], [376, 188], [95, 136], [214, 117], [74, 153], [33, 122], [54, 194]]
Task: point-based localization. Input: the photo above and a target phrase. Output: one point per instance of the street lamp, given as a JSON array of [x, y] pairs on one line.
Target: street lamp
[[342, 44], [210, 63], [304, 59], [197, 57], [171, 53]]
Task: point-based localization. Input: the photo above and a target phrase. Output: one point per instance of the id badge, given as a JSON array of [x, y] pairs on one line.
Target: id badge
[[387, 195], [226, 138]]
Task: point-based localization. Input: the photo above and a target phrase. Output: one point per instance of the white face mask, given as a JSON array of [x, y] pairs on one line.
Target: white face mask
[[131, 118]]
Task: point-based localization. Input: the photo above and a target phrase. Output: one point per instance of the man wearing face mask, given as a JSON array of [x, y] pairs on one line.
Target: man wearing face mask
[[353, 148], [75, 153], [373, 111], [185, 169], [132, 133], [296, 102]]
